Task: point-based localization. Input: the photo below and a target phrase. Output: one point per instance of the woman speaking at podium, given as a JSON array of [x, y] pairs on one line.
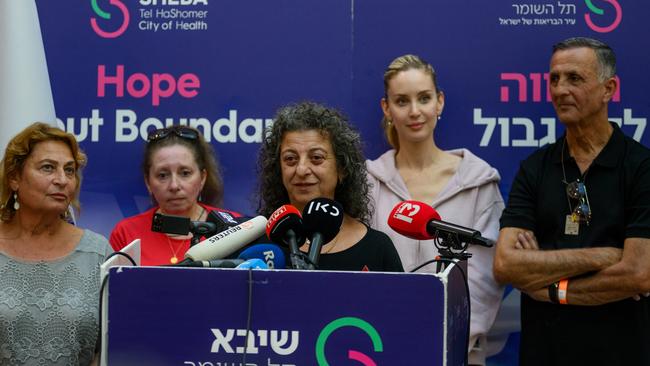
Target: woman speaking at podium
[[182, 177], [310, 152], [49, 269], [460, 186]]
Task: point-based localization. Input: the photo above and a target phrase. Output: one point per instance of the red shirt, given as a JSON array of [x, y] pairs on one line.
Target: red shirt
[[156, 248]]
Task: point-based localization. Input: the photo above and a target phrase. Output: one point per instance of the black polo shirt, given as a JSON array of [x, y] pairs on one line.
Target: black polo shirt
[[618, 188]]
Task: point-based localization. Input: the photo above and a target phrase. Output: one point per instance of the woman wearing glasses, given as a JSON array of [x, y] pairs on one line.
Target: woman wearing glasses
[[182, 176], [460, 186]]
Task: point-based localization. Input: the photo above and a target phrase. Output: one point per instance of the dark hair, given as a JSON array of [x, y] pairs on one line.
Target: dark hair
[[404, 63], [204, 156], [17, 152], [352, 189], [604, 54]]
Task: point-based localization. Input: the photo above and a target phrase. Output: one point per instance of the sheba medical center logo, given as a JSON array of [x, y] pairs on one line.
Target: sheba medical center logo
[[113, 17], [600, 12], [106, 30], [354, 355]]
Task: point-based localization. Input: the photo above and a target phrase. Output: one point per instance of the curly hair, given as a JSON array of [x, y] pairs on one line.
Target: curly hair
[[204, 156], [20, 148], [352, 189], [404, 63]]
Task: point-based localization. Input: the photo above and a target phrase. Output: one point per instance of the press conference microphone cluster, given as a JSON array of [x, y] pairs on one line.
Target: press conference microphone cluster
[[254, 263], [258, 256], [226, 242], [320, 222], [417, 220]]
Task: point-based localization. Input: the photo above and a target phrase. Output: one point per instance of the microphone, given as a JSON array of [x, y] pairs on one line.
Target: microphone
[[182, 225], [254, 263], [171, 224], [227, 242], [285, 227], [322, 219], [223, 220], [271, 254], [417, 220], [215, 263]]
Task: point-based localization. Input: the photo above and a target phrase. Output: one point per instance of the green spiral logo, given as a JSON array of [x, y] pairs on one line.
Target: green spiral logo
[[352, 354], [105, 15]]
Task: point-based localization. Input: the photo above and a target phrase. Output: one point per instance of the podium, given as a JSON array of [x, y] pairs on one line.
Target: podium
[[196, 316]]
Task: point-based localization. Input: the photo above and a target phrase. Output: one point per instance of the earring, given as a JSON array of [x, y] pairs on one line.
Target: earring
[[68, 216], [389, 121], [16, 204], [439, 117]]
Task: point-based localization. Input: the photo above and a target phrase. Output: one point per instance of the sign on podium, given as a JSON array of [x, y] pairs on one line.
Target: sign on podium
[[210, 317]]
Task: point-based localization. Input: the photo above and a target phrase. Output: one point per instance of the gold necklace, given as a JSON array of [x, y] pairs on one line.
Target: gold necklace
[[332, 246], [174, 258]]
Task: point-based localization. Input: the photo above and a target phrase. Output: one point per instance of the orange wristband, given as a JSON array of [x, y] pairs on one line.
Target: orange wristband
[[562, 291]]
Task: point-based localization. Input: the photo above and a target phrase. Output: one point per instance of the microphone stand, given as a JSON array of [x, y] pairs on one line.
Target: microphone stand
[[298, 259], [201, 229], [451, 249]]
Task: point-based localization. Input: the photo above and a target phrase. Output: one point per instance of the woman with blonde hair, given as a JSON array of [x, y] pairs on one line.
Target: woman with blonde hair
[[459, 185]]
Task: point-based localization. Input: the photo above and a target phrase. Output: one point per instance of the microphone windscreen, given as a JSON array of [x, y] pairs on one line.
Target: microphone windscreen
[[285, 218], [271, 254], [223, 220], [227, 242], [322, 215], [254, 263], [410, 218]]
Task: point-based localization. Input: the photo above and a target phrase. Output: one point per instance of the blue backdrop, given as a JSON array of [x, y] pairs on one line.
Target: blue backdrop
[[119, 68]]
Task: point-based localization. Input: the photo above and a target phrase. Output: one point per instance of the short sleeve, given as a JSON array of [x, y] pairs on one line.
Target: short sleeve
[[392, 262], [520, 210], [637, 212], [117, 238]]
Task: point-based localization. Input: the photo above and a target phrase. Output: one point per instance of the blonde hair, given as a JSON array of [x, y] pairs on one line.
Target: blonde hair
[[403, 63], [17, 152]]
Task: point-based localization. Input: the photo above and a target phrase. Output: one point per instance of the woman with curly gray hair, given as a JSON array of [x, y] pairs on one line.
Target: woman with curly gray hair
[[311, 151]]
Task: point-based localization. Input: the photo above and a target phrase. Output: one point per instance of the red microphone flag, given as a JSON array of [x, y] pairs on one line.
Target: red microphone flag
[[278, 216], [410, 218]]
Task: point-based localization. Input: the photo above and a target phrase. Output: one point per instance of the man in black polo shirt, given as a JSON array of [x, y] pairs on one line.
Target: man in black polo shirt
[[575, 234]]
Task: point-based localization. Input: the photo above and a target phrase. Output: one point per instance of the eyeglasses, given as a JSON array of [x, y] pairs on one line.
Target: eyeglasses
[[180, 131], [578, 191]]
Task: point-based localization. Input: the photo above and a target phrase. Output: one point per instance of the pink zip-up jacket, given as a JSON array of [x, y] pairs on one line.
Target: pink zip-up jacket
[[471, 199]]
